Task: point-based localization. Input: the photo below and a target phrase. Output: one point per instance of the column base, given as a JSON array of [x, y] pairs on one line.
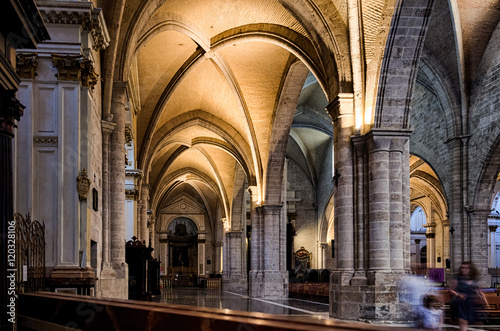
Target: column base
[[107, 272], [114, 284], [372, 298], [235, 284], [269, 284]]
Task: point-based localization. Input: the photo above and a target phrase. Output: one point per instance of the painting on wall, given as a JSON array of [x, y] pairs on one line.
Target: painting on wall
[[302, 259]]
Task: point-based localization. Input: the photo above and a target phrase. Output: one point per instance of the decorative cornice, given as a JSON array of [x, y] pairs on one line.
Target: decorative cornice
[[77, 12], [75, 68], [136, 173], [26, 65], [45, 141]]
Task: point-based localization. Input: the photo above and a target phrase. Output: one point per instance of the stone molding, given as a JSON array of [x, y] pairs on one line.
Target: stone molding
[[45, 141], [136, 173], [77, 12], [107, 127], [26, 65]]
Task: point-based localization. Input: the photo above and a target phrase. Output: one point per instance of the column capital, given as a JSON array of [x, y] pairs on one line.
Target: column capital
[[341, 105], [387, 140], [493, 228], [26, 64], [107, 127], [270, 209]]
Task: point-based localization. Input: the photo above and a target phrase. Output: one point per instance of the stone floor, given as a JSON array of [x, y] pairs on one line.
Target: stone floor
[[293, 308]]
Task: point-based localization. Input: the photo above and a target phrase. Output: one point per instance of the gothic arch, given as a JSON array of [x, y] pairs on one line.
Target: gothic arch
[[399, 66], [285, 109]]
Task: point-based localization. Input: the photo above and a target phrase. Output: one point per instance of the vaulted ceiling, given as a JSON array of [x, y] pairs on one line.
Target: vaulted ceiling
[[206, 78]]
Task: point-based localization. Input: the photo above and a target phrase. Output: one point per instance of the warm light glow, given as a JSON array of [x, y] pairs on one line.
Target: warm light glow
[[368, 115], [359, 119]]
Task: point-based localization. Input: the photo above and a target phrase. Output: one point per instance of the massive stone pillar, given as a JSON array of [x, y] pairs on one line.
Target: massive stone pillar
[[117, 288], [376, 209], [479, 243], [346, 249], [388, 205], [268, 277], [235, 277]]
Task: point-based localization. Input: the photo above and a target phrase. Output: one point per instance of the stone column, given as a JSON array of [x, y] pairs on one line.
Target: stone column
[[361, 208], [446, 240], [379, 205], [106, 270], [431, 249], [458, 219], [268, 275], [152, 234], [324, 252], [256, 254], [493, 246], [202, 259], [417, 253], [235, 279], [218, 261], [143, 224], [479, 243], [342, 112], [117, 191]]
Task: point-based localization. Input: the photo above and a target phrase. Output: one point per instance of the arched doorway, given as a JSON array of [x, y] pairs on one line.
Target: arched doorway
[[429, 224]]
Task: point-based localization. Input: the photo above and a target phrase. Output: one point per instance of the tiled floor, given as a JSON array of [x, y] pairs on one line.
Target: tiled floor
[[293, 308], [227, 300]]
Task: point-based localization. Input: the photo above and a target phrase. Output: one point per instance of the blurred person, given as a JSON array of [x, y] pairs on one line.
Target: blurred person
[[465, 294], [431, 315], [413, 289]]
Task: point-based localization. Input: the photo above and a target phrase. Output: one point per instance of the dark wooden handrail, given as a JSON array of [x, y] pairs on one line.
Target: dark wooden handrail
[[46, 310]]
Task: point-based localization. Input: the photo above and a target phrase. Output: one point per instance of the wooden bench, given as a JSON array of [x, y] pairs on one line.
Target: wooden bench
[[491, 311], [318, 292]]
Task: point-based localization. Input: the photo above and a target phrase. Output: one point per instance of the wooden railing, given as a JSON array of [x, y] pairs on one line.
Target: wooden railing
[[56, 311], [318, 292], [214, 284]]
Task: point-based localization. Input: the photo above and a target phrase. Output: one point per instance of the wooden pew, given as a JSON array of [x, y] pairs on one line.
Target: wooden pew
[[57, 311]]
